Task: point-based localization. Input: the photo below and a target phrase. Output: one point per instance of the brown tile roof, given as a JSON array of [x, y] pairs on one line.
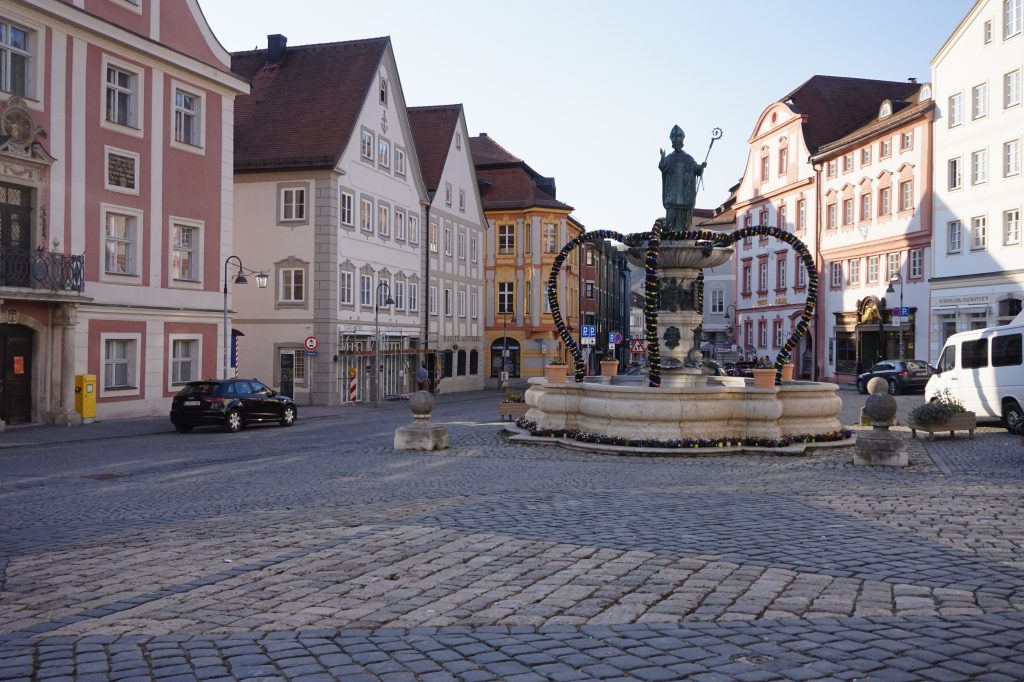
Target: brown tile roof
[[487, 152], [877, 126], [836, 105], [302, 112], [432, 130], [512, 187]]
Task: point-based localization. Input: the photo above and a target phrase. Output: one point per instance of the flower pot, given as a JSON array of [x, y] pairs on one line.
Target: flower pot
[[787, 371], [555, 374], [609, 368], [764, 378]]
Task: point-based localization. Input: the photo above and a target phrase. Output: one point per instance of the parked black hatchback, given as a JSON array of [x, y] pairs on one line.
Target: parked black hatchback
[[230, 403], [902, 375]]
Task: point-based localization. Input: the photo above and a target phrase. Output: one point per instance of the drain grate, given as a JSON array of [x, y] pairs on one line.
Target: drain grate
[[103, 477], [752, 659]]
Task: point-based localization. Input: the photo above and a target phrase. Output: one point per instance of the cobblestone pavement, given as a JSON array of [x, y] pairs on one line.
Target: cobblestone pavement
[[318, 553]]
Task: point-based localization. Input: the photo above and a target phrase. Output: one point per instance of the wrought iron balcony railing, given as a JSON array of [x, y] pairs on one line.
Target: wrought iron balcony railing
[[41, 269]]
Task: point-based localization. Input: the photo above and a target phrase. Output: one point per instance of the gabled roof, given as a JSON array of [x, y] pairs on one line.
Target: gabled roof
[[836, 105], [432, 131], [303, 110], [513, 188], [876, 126], [487, 152]]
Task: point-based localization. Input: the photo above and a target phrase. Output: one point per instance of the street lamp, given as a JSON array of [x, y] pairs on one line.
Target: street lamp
[[890, 290], [376, 337], [729, 325], [261, 282]]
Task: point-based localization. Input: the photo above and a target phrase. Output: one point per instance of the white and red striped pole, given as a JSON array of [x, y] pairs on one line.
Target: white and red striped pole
[[352, 390]]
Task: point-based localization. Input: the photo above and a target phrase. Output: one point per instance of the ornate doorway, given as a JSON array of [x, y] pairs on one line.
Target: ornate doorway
[[15, 235], [16, 377]]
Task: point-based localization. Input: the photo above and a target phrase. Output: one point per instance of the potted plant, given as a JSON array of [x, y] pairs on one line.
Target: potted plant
[[513, 405], [609, 368], [554, 371], [944, 412], [764, 377], [787, 371]]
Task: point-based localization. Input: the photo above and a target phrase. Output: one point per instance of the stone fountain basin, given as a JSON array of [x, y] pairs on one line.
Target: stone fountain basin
[[712, 411], [683, 254]]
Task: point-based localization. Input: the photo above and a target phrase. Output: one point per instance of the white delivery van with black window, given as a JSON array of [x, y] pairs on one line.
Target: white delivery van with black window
[[984, 369]]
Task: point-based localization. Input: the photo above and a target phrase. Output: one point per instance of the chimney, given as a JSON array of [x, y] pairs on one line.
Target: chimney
[[276, 45], [912, 80]]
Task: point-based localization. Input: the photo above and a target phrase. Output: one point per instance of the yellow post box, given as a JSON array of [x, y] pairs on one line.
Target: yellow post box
[[85, 395]]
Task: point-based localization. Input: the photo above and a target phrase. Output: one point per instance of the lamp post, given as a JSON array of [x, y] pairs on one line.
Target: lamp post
[[729, 325], [376, 337], [261, 282], [890, 290]]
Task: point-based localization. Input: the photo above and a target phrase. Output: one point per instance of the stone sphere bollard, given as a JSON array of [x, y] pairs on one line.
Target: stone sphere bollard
[[421, 434], [422, 405], [880, 446], [880, 406]]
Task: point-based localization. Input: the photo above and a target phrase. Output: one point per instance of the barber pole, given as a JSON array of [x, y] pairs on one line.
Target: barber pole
[[352, 390]]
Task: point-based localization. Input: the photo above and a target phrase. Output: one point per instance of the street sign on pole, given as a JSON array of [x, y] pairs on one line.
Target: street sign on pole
[[614, 338], [588, 335], [637, 346], [311, 343]]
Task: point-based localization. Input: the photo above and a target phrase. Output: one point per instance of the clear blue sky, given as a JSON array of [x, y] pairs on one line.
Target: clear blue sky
[[587, 90]]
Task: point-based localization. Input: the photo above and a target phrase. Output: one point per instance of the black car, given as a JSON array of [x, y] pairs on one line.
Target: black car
[[901, 375], [744, 368], [230, 403]]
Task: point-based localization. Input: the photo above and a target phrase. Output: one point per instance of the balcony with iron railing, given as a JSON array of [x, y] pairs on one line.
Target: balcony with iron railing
[[41, 270]]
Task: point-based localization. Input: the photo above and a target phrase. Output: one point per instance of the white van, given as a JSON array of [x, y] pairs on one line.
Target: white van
[[984, 368]]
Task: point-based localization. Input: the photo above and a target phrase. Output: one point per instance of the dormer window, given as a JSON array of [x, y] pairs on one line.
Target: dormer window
[[383, 91], [926, 93], [885, 111]]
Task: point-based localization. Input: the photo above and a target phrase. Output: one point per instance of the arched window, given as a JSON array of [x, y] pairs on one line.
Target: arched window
[[462, 363], [449, 357], [474, 362]]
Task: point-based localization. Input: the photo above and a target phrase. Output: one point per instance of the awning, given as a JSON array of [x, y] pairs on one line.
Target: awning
[[968, 307], [944, 309]]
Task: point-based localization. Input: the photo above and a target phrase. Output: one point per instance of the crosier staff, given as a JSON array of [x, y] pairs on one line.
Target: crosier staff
[[716, 134]]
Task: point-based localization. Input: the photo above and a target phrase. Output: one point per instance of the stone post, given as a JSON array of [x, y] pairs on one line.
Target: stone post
[[880, 446], [66, 317], [421, 434]]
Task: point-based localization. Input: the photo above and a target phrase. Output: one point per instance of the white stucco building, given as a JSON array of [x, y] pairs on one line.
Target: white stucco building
[[978, 279]]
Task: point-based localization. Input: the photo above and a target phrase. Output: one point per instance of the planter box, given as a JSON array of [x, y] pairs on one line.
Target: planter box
[[512, 411], [764, 378], [555, 374], [963, 421]]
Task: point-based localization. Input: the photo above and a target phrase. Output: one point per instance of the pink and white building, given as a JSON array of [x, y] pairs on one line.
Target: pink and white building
[[116, 141]]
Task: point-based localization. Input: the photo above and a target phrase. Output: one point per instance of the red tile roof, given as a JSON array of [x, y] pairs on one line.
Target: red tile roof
[[877, 126], [512, 188], [836, 105], [302, 111], [487, 152], [432, 131]]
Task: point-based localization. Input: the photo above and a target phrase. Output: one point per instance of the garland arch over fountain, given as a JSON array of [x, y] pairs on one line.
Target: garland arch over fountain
[[653, 240]]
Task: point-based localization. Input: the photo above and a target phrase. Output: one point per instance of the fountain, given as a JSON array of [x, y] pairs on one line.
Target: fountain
[[683, 407]]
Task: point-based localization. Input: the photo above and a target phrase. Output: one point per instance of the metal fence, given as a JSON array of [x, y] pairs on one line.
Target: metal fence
[[41, 269]]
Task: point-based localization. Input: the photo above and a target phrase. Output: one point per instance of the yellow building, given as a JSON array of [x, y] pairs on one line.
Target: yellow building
[[526, 228]]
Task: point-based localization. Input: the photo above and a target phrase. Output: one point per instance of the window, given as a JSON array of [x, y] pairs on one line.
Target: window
[[184, 360], [1006, 350], [550, 232], [956, 109], [979, 166], [865, 156], [365, 290], [762, 333], [979, 101], [831, 168], [777, 333], [986, 32], [893, 265], [383, 153], [292, 287], [953, 173], [187, 128], [183, 258], [299, 370], [907, 195], [120, 244], [853, 266], [414, 229], [506, 238], [865, 206], [885, 201], [461, 244], [589, 290], [383, 220], [383, 292], [764, 169], [1011, 18], [832, 219], [847, 163], [448, 194], [506, 298], [366, 214], [763, 220], [717, 301], [974, 354], [979, 232], [846, 353], [474, 248], [399, 224], [884, 149], [783, 160], [462, 200], [801, 273], [953, 236], [474, 305], [414, 297], [781, 276], [118, 363], [847, 211], [762, 277], [399, 161], [345, 286], [801, 214], [458, 145], [15, 59], [293, 203], [432, 237], [447, 240], [782, 217], [460, 303], [384, 91], [872, 269], [122, 98], [399, 295], [747, 278], [837, 275], [1011, 89], [1011, 226], [1011, 158], [346, 208], [366, 145], [916, 263]]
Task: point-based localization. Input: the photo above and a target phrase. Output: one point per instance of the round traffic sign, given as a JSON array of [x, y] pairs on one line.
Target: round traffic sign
[[311, 343]]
